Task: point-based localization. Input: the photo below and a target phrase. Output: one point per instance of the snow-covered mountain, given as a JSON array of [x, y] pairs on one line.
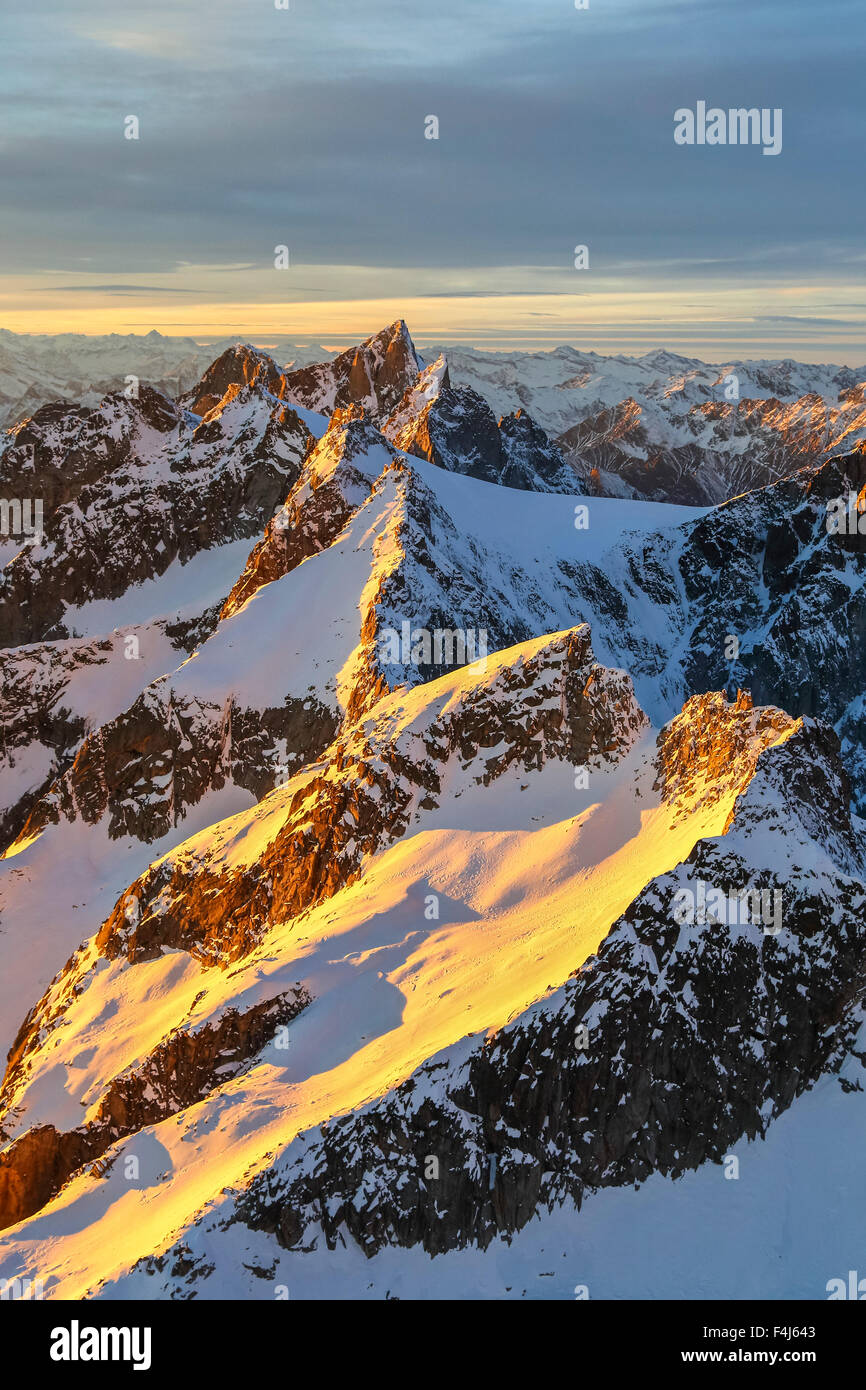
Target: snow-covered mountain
[[37, 368], [674, 428], [558, 385], [408, 850], [661, 426]]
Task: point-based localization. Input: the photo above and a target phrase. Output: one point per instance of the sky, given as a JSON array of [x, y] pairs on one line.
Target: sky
[[305, 127]]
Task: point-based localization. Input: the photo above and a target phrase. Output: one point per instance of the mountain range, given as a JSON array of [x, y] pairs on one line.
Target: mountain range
[[661, 426], [430, 801]]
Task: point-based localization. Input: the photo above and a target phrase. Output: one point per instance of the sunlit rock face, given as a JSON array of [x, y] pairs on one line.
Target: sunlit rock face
[[337, 478], [179, 1072], [375, 375]]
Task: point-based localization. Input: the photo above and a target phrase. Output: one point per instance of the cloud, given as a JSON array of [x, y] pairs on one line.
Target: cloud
[[811, 321], [113, 289]]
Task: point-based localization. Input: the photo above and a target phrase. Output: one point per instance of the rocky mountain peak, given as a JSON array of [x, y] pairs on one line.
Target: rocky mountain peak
[[375, 374], [457, 430], [241, 365]]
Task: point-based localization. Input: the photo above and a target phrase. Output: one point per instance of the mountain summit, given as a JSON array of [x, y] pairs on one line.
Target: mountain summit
[[376, 374]]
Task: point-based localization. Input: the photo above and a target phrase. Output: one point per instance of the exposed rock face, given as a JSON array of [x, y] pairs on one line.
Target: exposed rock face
[[597, 446], [47, 695], [422, 572], [237, 367], [182, 1069], [770, 559], [716, 450], [740, 600], [337, 478], [425, 578], [531, 461], [551, 700], [64, 448], [699, 748], [679, 1039], [777, 543], [33, 714], [36, 1168], [374, 375], [185, 484], [429, 383], [144, 769], [421, 569], [458, 431]]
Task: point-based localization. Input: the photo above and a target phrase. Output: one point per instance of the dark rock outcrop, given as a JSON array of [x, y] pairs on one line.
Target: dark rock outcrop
[[164, 487], [146, 768], [458, 431]]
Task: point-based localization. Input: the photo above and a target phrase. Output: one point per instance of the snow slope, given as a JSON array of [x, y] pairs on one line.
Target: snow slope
[[523, 897], [793, 1220], [316, 612]]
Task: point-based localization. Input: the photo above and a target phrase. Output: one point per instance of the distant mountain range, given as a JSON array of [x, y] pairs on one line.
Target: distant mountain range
[[661, 426], [37, 368]]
